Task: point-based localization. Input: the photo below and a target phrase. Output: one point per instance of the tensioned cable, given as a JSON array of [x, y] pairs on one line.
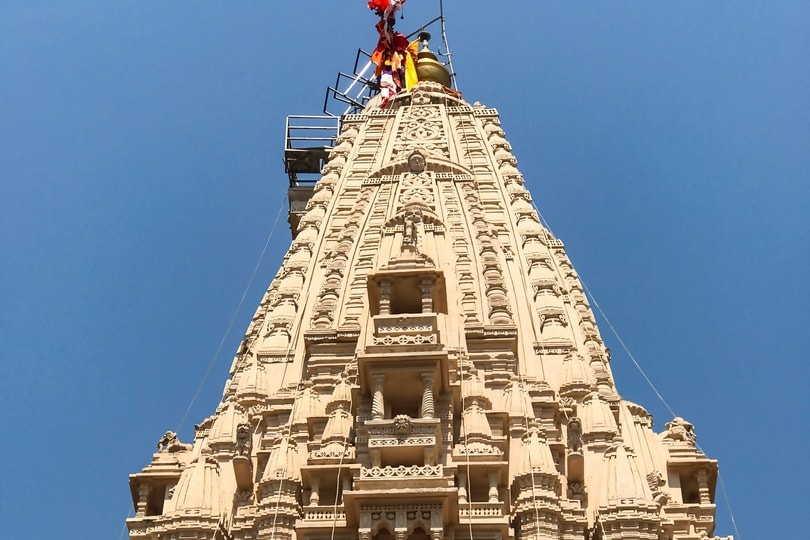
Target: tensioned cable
[[521, 377], [124, 526], [647, 379], [728, 502], [610, 325], [626, 349], [296, 402], [288, 427], [660, 397], [292, 342], [285, 431], [231, 322], [340, 464], [466, 428], [464, 363], [521, 389], [224, 337]]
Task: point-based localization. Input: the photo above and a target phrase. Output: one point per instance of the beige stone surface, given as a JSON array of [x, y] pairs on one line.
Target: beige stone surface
[[425, 364]]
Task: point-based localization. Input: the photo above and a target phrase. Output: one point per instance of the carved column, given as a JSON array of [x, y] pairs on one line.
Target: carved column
[[493, 487], [436, 534], [143, 497], [347, 486], [315, 496], [427, 296], [462, 488], [376, 457], [703, 486], [364, 535], [385, 297], [377, 400], [428, 406]]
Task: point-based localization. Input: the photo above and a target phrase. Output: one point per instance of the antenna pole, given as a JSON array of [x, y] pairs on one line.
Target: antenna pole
[[446, 46]]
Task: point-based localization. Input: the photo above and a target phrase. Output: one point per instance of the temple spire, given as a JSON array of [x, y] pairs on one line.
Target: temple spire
[[424, 364]]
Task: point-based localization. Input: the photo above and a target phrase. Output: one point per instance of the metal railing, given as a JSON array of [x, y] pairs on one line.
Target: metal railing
[[307, 142]]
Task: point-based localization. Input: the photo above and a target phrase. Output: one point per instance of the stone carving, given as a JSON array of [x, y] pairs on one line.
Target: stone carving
[[574, 435], [170, 443], [546, 286], [567, 403], [680, 430], [576, 490], [324, 515], [346, 454], [336, 261], [404, 439], [169, 438], [422, 128], [406, 422], [405, 339], [402, 425], [416, 162], [415, 324], [243, 442], [500, 311], [401, 471], [553, 315], [655, 480], [416, 190], [477, 449], [410, 235], [390, 508]]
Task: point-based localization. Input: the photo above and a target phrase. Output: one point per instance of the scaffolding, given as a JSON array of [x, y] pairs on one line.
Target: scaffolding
[[309, 139], [307, 143]]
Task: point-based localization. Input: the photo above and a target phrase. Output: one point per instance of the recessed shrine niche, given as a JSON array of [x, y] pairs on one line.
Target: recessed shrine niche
[[407, 306], [407, 293], [403, 367], [409, 283]]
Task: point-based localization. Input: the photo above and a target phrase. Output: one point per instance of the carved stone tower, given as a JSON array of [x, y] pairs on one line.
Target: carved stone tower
[[425, 365]]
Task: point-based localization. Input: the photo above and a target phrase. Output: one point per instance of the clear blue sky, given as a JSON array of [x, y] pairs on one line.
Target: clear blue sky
[[667, 143]]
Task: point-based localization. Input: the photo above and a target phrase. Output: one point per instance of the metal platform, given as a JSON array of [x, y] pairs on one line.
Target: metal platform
[[309, 139], [352, 91], [307, 143]]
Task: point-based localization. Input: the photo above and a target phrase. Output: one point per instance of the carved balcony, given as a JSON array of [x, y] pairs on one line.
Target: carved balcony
[[315, 517], [481, 511], [403, 477], [405, 332], [403, 440], [331, 455]]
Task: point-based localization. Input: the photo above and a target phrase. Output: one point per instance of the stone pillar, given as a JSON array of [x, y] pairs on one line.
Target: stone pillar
[[462, 488], [427, 295], [143, 497], [376, 457], [428, 407], [377, 400], [315, 496], [493, 487], [347, 486], [364, 535], [436, 534], [385, 297], [703, 486]]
